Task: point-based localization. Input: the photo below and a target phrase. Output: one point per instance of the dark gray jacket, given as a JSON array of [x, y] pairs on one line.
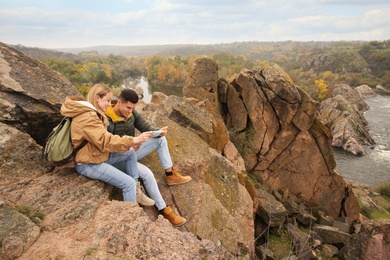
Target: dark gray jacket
[[128, 126]]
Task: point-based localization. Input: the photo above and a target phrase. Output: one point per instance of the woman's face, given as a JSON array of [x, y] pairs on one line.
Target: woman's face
[[105, 101]]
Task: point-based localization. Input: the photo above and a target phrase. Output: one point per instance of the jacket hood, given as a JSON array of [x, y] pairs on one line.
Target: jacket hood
[[74, 106]]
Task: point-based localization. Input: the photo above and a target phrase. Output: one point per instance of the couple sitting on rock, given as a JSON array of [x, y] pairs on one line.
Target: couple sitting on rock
[[112, 151]]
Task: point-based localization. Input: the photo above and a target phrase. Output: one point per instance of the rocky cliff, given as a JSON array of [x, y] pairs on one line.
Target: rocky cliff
[[260, 123], [30, 93], [343, 113], [47, 212], [275, 127]]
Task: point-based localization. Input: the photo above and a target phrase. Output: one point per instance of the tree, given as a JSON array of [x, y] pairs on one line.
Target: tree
[[323, 90]]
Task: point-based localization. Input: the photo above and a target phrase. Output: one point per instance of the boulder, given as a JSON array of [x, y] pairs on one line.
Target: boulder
[[372, 242], [298, 211], [202, 80], [351, 95], [343, 114], [31, 94], [382, 90], [20, 156], [18, 232], [217, 200], [342, 224], [302, 243], [365, 91], [273, 124], [332, 235], [328, 250], [270, 210]]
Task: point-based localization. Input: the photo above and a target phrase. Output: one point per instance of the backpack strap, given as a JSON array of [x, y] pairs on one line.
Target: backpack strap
[[85, 141], [111, 125]]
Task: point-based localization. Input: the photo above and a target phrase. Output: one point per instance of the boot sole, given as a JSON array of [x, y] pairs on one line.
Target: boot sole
[[145, 205], [178, 183], [179, 225]]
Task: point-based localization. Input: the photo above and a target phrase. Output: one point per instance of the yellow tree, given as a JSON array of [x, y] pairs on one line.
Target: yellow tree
[[323, 90], [107, 68]]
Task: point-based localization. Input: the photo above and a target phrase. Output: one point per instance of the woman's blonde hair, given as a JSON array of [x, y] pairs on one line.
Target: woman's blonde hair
[[98, 90]]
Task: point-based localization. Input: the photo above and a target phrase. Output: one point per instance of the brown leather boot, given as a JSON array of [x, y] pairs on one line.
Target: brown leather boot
[[175, 220], [176, 178]]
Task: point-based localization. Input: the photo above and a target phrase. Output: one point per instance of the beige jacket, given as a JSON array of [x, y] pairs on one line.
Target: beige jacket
[[88, 124]]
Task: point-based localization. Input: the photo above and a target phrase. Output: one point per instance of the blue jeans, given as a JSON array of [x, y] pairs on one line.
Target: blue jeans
[[159, 144], [123, 180], [150, 184]]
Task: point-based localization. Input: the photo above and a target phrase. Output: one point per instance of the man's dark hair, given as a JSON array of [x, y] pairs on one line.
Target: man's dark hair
[[128, 94]]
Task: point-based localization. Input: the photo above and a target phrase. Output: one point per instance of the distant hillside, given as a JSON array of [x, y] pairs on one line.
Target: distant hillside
[[251, 50], [146, 50], [38, 53], [354, 59]]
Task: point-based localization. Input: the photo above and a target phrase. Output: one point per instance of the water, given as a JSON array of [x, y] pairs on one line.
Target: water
[[149, 89], [374, 167], [143, 83], [139, 83]]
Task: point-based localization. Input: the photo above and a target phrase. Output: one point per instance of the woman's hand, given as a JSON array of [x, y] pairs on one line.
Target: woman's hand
[[137, 141]]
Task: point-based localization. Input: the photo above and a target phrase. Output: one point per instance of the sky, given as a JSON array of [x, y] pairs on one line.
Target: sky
[[86, 23]]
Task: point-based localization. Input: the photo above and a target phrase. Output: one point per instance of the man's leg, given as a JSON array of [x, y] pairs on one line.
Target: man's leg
[[147, 177], [150, 184], [161, 146]]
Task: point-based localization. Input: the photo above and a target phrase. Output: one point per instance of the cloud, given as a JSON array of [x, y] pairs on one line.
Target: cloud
[[57, 24], [354, 2]]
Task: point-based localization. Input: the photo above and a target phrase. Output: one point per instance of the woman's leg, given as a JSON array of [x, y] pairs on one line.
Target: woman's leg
[[161, 146], [111, 175], [150, 184], [127, 160]]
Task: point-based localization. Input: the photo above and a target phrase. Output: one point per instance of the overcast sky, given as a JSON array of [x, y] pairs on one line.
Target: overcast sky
[[85, 23]]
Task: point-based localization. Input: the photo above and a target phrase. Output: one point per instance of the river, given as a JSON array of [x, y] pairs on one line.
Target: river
[[373, 168], [149, 89]]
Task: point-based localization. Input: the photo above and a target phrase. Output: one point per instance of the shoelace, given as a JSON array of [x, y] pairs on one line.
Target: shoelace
[[142, 189]]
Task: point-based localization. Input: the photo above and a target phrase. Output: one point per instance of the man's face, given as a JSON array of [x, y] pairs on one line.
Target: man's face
[[125, 109]]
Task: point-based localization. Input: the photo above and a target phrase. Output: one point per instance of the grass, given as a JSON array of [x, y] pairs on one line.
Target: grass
[[90, 251], [375, 214], [384, 190], [33, 214], [280, 245]]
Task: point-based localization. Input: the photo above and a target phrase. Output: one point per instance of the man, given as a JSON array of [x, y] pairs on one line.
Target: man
[[124, 119]]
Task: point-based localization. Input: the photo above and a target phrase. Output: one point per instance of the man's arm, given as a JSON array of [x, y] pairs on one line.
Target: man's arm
[[141, 124]]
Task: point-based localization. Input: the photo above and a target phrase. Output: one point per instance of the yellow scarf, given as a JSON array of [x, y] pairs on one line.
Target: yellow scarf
[[114, 117]]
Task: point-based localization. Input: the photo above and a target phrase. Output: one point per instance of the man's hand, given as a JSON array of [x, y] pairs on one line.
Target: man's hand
[[165, 130]]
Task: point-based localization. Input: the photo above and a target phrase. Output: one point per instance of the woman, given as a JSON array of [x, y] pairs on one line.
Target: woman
[[103, 149]]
